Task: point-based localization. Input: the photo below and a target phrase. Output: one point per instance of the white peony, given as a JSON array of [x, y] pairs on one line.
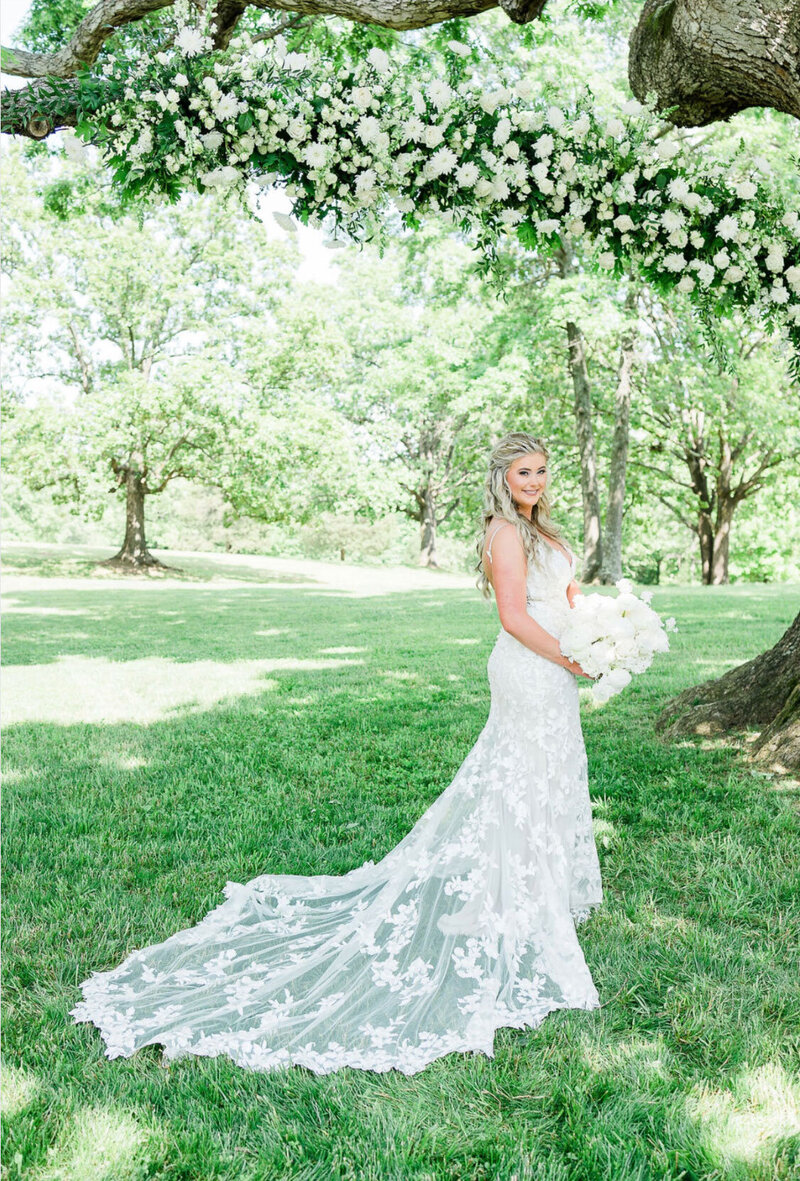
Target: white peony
[[361, 98], [220, 178], [746, 190], [624, 223], [379, 60], [501, 132], [613, 638], [667, 149], [368, 129], [734, 274], [674, 262], [492, 99], [211, 140], [432, 136]]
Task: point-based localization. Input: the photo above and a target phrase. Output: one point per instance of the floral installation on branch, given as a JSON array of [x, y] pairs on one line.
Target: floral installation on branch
[[348, 142], [613, 638]]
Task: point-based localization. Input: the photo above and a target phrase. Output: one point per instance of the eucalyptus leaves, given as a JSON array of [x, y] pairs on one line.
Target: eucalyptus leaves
[[347, 143]]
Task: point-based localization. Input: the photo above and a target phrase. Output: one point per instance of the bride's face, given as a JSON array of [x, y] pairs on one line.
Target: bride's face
[[527, 480]]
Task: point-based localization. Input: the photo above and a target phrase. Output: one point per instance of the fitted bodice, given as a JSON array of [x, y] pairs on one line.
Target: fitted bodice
[[549, 575]]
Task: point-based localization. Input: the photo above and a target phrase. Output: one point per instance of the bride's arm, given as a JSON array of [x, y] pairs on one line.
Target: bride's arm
[[508, 579], [572, 590]]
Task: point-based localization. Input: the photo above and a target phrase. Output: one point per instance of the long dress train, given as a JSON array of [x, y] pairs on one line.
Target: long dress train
[[467, 925]]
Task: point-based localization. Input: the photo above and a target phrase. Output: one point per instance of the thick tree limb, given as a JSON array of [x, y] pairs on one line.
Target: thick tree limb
[[712, 58], [86, 42], [394, 14], [108, 15]]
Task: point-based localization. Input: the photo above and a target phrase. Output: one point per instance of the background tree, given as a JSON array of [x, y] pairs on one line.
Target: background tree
[[141, 344], [726, 429]]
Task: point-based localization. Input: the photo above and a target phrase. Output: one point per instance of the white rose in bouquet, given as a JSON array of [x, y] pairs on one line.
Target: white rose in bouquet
[[611, 639]]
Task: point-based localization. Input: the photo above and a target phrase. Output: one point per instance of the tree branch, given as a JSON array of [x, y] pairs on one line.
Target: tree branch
[[84, 45], [668, 504], [708, 59]]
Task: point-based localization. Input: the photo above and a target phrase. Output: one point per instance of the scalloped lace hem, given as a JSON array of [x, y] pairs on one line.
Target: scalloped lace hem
[[408, 1059]]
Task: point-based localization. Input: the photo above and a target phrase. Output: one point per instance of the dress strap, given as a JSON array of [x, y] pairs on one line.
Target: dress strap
[[491, 539]]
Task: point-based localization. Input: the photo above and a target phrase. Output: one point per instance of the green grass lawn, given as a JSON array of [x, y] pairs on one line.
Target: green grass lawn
[[162, 741]]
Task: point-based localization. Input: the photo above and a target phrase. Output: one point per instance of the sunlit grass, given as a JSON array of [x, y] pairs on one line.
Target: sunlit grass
[[303, 729], [76, 689]]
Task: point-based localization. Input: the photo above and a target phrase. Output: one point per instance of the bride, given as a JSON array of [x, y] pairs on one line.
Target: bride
[[466, 926]]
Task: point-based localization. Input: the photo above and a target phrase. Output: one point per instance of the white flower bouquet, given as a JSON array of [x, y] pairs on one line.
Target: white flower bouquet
[[613, 638]]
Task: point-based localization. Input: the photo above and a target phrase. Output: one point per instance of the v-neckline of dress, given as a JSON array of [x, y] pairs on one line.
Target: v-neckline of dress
[[559, 550]]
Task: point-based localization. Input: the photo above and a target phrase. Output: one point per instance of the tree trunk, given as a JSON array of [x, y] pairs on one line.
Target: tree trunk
[[763, 692], [722, 537], [582, 406], [705, 535], [612, 534], [427, 553], [134, 555], [711, 58], [590, 490], [778, 747]]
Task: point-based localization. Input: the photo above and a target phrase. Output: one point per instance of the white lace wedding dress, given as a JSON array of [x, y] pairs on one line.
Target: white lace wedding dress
[[467, 925]]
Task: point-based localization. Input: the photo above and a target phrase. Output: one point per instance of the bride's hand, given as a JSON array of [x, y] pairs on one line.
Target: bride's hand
[[575, 668], [572, 590]]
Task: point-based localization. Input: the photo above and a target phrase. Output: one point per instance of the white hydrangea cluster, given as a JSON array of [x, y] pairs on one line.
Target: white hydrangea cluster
[[347, 142], [613, 638]]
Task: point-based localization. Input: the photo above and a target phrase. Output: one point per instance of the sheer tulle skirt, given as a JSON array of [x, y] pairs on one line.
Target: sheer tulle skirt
[[467, 925]]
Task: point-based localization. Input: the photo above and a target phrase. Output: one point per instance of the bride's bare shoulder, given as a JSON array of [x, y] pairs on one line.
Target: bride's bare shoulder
[[497, 535]]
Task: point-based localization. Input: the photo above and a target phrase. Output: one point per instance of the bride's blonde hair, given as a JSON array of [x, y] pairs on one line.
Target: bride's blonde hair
[[498, 503]]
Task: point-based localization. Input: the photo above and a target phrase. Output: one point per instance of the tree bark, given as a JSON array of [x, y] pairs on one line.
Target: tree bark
[[708, 59], [428, 525], [763, 692], [612, 534], [779, 745], [134, 555]]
